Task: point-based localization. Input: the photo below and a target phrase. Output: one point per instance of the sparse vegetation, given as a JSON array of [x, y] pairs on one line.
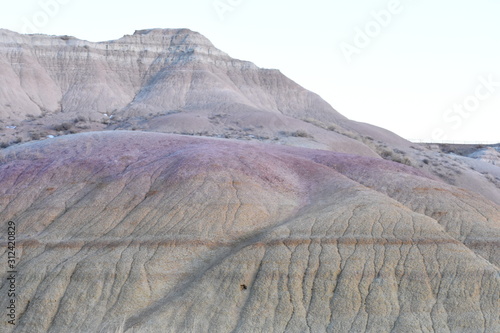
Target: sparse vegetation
[[333, 128], [63, 127], [79, 119], [386, 154], [5, 144], [34, 135], [394, 155], [340, 130], [297, 134], [301, 134], [447, 176]]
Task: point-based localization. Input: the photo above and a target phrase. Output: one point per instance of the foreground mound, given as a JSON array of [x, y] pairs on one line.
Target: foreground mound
[[164, 233]]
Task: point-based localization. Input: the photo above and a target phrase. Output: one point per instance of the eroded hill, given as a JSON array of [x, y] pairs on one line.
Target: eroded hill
[[272, 212], [174, 233]]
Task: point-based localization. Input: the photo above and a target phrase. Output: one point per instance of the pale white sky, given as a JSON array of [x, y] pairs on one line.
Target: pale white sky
[[422, 69]]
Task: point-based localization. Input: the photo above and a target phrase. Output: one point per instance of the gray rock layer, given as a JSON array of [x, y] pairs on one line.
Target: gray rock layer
[[151, 71]]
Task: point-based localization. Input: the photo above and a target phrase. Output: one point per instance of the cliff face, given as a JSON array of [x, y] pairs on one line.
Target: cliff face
[[150, 71]]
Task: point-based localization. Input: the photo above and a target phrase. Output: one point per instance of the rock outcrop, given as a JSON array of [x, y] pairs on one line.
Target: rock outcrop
[[162, 80], [152, 71]]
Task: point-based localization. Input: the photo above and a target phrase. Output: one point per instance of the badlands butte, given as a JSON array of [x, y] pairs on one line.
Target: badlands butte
[[159, 185]]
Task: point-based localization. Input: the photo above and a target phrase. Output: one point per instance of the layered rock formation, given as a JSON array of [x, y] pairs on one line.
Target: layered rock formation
[[176, 81], [151, 71], [172, 81], [166, 233], [154, 232]]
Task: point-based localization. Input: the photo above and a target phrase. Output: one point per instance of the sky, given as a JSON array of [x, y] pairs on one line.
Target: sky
[[426, 70]]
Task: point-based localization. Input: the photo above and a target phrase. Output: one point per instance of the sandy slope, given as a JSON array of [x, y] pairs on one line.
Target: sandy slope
[[175, 233]]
